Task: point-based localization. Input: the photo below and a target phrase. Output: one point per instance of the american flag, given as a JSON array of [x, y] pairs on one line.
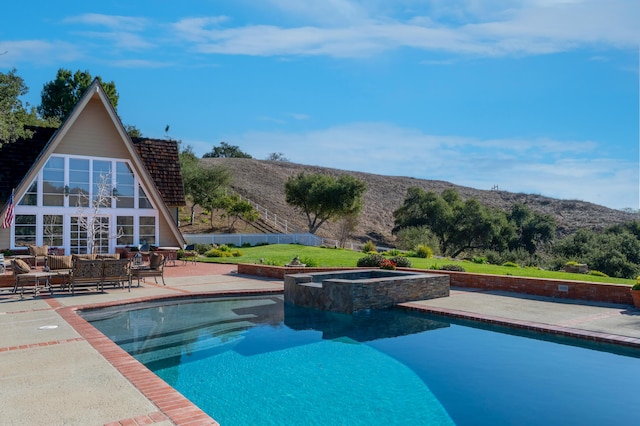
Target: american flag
[[8, 216]]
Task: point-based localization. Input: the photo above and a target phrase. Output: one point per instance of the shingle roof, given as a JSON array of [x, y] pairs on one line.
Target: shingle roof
[[159, 156], [17, 158]]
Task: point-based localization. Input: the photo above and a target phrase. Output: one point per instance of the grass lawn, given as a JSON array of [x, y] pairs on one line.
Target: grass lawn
[[281, 254]]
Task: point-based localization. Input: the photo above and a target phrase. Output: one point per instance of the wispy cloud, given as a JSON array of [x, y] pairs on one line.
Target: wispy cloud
[[39, 52], [520, 28], [556, 168]]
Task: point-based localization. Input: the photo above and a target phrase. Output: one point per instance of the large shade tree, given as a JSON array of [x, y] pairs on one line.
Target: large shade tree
[[459, 225], [323, 198], [14, 115], [60, 95], [204, 185], [225, 150]]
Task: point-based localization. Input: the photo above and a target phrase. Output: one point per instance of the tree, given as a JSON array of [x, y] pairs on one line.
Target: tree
[[531, 228], [62, 94], [224, 150], [459, 225], [277, 156], [91, 221], [133, 131], [11, 109], [236, 208], [204, 186], [322, 198]]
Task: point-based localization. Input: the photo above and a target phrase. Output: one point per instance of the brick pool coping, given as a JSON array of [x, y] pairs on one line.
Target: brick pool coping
[[171, 403]]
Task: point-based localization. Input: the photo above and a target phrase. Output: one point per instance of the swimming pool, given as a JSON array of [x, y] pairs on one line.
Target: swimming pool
[[256, 360]]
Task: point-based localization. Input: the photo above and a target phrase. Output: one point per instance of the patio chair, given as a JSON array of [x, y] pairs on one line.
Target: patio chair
[[155, 269], [189, 253], [86, 272], [39, 253], [116, 272]]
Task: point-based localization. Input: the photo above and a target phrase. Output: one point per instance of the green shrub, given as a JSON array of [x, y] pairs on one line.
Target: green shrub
[[598, 273], [203, 248], [511, 265], [572, 263], [392, 252], [452, 267], [423, 251], [371, 261], [401, 262], [310, 262], [636, 286], [220, 252], [246, 245], [368, 247], [479, 260]]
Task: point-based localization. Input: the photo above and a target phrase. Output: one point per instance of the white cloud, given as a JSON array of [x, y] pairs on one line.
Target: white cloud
[[514, 28], [40, 52], [129, 23], [556, 168]]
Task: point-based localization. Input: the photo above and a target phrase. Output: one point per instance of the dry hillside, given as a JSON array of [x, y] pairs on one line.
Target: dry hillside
[[263, 182]]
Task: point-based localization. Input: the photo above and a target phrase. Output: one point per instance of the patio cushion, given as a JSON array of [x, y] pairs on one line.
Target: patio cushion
[[155, 260], [108, 256], [59, 262], [38, 250], [20, 267], [84, 256]]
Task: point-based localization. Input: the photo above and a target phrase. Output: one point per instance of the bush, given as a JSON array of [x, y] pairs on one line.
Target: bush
[[598, 273], [451, 267], [371, 261], [220, 252], [388, 264], [203, 248], [392, 252], [309, 262], [511, 265], [368, 247], [479, 260], [401, 261], [424, 252], [636, 286]]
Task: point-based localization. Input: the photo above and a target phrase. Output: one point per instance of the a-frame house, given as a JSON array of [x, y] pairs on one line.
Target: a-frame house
[[57, 172]]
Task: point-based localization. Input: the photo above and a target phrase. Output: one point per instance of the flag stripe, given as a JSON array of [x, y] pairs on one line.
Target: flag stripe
[[8, 216]]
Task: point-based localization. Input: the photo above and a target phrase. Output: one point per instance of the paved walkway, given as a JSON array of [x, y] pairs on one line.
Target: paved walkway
[[55, 369]]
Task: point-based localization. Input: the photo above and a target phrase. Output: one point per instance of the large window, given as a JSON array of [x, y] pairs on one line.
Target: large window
[[51, 210], [125, 187], [125, 230], [147, 230], [25, 229], [30, 198], [78, 244], [79, 182], [53, 230], [53, 182]]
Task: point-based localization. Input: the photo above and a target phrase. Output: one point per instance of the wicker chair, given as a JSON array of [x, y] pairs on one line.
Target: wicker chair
[[155, 269]]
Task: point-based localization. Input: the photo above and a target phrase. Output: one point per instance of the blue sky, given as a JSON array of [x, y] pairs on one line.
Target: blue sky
[[534, 96]]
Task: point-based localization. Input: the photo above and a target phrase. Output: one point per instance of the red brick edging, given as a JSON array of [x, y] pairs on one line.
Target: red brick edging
[[171, 403]]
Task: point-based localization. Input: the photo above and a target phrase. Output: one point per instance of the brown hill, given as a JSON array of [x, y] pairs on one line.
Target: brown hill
[[263, 182]]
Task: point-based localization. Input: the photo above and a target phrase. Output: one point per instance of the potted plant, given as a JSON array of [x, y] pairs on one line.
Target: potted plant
[[635, 293]]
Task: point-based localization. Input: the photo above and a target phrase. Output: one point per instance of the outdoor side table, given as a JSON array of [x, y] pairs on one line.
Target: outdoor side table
[[34, 277]]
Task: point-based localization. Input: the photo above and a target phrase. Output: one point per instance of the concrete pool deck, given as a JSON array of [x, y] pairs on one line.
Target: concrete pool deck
[[56, 369]]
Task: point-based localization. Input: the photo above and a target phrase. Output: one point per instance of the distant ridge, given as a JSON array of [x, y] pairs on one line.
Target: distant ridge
[[263, 182]]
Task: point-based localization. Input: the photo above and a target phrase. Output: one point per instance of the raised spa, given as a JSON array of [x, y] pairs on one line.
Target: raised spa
[[357, 290]]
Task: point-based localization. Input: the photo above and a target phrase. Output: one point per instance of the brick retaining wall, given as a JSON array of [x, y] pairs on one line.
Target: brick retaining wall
[[580, 290]]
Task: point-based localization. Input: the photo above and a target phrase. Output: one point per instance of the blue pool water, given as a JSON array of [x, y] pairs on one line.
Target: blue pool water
[[249, 361]]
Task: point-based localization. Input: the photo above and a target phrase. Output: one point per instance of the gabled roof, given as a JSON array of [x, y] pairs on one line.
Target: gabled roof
[[32, 158], [159, 156]]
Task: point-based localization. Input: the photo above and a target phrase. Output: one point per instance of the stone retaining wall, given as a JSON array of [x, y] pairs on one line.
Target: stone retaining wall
[[580, 290]]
